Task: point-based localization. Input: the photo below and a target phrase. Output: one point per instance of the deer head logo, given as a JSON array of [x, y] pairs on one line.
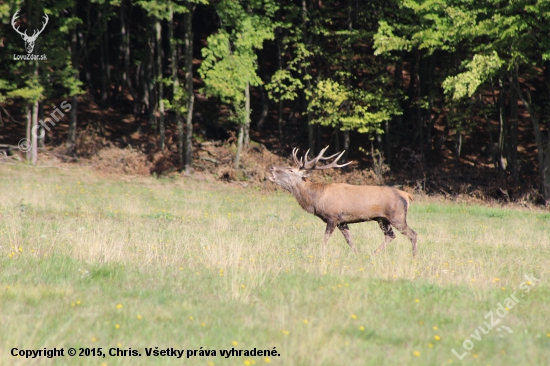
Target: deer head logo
[[29, 40]]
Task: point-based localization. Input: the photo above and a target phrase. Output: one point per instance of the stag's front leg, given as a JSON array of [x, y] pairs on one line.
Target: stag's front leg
[[344, 228], [331, 225], [388, 234]]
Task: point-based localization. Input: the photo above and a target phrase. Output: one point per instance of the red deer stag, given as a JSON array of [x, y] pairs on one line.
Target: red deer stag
[[340, 204]]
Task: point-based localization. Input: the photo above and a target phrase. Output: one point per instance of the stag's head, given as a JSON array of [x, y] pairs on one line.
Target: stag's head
[[288, 177], [29, 40]]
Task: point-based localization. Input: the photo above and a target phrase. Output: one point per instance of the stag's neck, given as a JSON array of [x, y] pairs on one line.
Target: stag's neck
[[307, 193]]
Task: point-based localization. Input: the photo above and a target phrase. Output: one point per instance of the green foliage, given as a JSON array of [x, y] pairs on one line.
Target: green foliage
[[480, 68], [229, 63], [225, 71], [31, 92], [295, 76], [286, 83], [5, 87], [54, 77], [284, 86], [178, 102], [385, 40], [162, 9], [350, 109], [495, 35], [429, 25]]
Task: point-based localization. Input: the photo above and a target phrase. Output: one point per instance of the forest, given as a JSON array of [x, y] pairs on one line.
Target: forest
[[422, 89]]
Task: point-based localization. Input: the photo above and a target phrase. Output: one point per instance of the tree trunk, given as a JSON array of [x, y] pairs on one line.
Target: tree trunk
[[34, 136], [125, 49], [545, 174], [310, 133], [118, 90], [142, 82], [336, 135], [279, 38], [489, 131], [545, 171], [28, 145], [160, 84], [246, 137], [318, 137], [263, 94], [310, 127], [458, 145], [239, 146], [88, 75], [388, 142], [502, 128], [398, 84], [346, 146], [265, 108], [430, 121], [71, 135], [280, 123], [410, 90], [543, 151], [188, 19], [379, 144], [41, 129], [107, 60], [175, 86], [311, 138], [150, 76], [514, 128], [420, 113], [441, 140], [104, 69]]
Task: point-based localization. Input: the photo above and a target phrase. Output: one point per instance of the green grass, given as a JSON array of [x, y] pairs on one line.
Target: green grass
[[177, 263]]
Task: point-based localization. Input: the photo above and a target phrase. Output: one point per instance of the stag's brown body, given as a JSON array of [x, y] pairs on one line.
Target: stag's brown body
[[340, 204]]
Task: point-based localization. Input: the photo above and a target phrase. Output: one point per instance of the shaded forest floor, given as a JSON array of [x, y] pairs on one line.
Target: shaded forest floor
[[115, 141]]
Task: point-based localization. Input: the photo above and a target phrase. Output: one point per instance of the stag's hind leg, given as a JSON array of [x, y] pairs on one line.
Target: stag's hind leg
[[388, 233], [344, 228], [409, 233]]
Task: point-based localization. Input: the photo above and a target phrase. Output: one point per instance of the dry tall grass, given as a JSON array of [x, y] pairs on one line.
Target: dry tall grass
[[252, 266]]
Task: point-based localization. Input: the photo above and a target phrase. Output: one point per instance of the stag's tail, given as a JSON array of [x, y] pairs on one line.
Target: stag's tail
[[407, 197]]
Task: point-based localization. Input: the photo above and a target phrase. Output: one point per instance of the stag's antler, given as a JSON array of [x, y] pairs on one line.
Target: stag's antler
[[298, 163], [305, 164], [24, 34], [34, 33], [13, 19], [43, 24]]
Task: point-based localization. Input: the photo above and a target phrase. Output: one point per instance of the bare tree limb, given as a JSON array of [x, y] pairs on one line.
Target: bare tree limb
[[2, 109]]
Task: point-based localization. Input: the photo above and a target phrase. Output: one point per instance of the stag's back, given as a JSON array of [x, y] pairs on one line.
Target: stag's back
[[351, 203]]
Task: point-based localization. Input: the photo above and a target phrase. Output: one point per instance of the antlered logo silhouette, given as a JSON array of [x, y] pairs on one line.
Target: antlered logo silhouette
[[29, 40]]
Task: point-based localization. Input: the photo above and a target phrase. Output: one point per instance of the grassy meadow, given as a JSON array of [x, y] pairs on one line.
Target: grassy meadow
[[136, 263]]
